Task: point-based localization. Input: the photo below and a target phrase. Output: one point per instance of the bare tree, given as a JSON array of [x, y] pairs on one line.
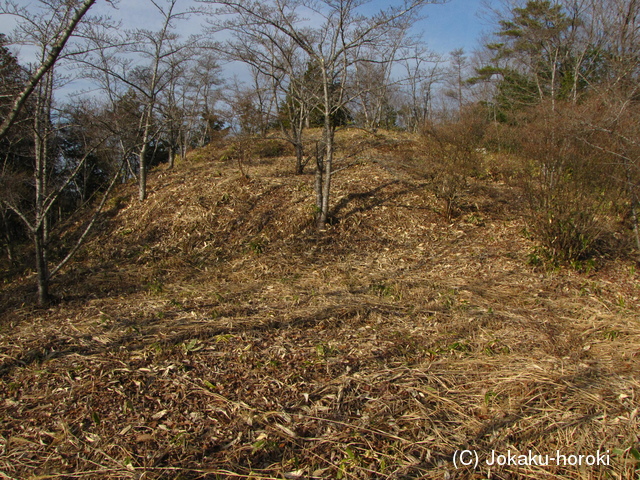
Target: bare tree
[[423, 71], [143, 61], [372, 82], [281, 92], [255, 103], [48, 28], [333, 43], [456, 78], [186, 104], [205, 85], [69, 14], [157, 47]]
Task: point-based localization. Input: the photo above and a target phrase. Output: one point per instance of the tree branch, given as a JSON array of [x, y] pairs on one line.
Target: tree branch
[[51, 59]]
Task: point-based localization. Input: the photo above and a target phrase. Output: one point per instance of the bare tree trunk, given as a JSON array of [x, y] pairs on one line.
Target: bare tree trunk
[[299, 158], [554, 69], [40, 226], [318, 181], [41, 267], [152, 96], [142, 174], [328, 137], [7, 235], [327, 134], [326, 186], [318, 189], [172, 155]]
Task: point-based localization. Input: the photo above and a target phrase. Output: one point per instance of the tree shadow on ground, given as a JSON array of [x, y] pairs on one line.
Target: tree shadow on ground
[[137, 334], [360, 202]]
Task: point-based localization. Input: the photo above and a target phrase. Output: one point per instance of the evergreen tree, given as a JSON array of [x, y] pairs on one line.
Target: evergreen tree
[[533, 61]]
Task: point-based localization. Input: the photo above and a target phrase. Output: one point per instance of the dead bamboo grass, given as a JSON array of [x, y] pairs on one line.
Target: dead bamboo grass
[[211, 333]]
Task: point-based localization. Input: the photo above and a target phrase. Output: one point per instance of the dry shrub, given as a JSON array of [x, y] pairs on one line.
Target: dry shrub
[[453, 152], [567, 220], [611, 127], [240, 152], [502, 138], [568, 189]]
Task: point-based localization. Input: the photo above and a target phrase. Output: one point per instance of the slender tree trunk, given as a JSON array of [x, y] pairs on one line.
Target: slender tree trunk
[[318, 182], [146, 138], [40, 225], [41, 266], [142, 174], [299, 158], [554, 69], [460, 103], [46, 129], [151, 104], [11, 256], [172, 154], [7, 236], [298, 135], [576, 77], [326, 187], [328, 138]]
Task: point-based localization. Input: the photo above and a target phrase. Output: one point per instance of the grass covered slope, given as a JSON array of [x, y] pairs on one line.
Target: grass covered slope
[[211, 332]]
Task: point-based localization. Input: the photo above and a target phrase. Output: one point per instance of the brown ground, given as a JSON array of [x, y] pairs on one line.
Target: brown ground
[[212, 333]]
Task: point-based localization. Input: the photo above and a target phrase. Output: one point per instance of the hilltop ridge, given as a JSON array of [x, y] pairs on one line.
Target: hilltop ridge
[[213, 332]]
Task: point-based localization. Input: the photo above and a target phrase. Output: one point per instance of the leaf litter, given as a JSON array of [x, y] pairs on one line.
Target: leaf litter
[[211, 332]]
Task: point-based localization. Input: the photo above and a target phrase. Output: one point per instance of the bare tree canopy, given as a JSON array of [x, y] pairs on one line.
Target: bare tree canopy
[[334, 39], [72, 16]]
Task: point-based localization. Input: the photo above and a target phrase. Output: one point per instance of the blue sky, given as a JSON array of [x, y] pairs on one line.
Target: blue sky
[[453, 25], [448, 26]]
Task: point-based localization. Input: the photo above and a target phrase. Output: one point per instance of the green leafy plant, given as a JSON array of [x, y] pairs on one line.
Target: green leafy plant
[[256, 246], [459, 347], [192, 345], [489, 397], [622, 303], [536, 257], [633, 452], [351, 460], [383, 290], [324, 351], [155, 286], [495, 347], [611, 335]]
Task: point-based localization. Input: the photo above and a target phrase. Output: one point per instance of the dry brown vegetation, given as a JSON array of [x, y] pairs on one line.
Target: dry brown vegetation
[[212, 332]]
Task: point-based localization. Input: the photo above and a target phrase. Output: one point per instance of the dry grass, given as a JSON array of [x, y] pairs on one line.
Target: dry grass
[[212, 333]]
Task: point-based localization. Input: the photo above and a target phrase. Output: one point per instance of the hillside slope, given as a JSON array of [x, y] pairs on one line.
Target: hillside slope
[[211, 332]]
